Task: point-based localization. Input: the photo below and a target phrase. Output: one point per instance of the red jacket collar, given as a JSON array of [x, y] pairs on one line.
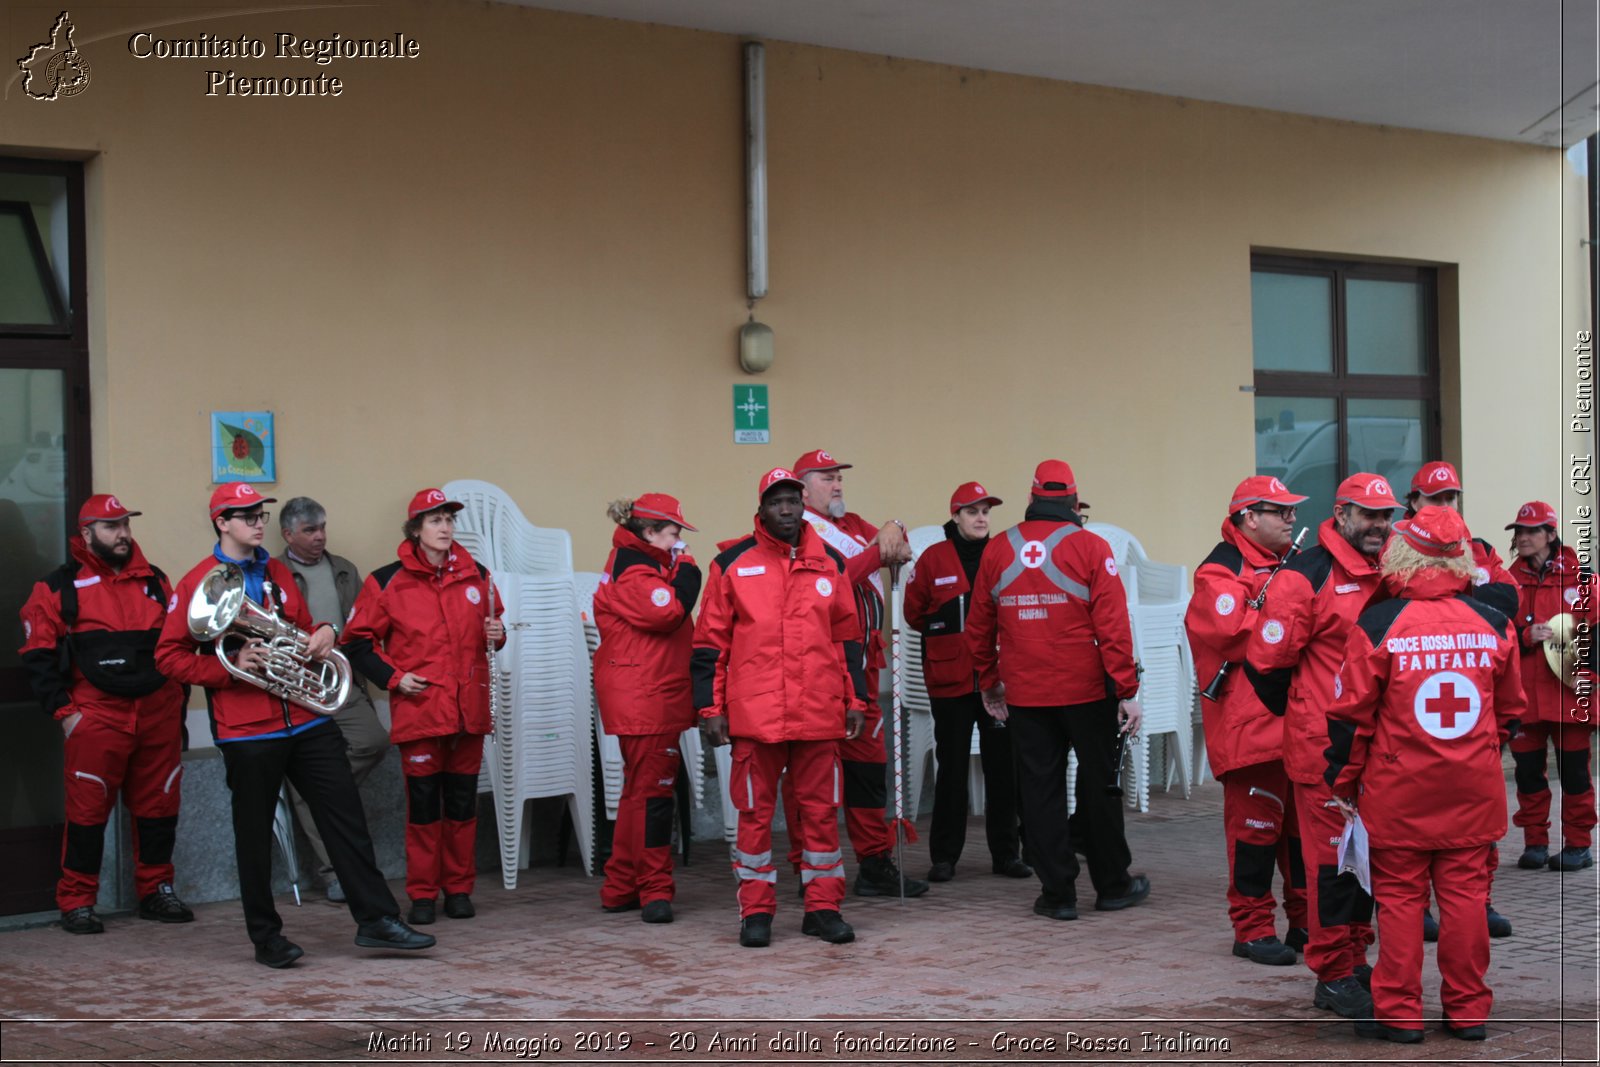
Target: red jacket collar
[[457, 565], [1344, 553], [1562, 561], [136, 567], [622, 537], [810, 547], [1254, 555], [1427, 585]]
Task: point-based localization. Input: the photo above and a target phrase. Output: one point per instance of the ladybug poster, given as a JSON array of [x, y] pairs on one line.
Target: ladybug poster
[[242, 447]]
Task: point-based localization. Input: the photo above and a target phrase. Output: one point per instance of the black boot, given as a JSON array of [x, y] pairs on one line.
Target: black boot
[[755, 931], [879, 877], [828, 925]]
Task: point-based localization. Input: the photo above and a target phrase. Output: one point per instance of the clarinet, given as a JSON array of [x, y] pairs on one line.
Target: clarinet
[[1213, 691], [1114, 787]]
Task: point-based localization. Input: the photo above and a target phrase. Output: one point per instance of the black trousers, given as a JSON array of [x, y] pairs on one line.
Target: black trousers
[[1042, 738], [953, 719], [316, 764]]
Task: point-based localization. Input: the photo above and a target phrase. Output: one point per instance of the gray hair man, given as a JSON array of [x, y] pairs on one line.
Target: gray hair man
[[329, 584]]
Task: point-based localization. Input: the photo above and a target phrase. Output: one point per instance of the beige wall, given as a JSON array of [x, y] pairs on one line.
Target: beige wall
[[520, 258]]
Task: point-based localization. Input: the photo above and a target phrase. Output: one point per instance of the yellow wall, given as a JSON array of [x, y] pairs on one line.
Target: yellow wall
[[520, 258]]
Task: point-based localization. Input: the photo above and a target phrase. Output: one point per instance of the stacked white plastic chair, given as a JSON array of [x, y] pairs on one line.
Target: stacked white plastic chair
[[1158, 596], [919, 754], [610, 749], [544, 737]]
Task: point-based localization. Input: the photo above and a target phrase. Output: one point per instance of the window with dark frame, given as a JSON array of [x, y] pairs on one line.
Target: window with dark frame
[[1346, 358]]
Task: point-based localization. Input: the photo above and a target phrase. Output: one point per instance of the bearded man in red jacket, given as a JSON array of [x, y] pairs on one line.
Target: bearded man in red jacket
[[777, 668], [1429, 691]]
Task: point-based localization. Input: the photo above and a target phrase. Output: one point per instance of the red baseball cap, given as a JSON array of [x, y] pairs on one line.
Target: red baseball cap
[[780, 476], [970, 493], [1053, 471], [237, 496], [428, 500], [103, 507], [1436, 477], [1262, 489], [1435, 531], [1370, 491], [818, 460], [1535, 513], [662, 508]]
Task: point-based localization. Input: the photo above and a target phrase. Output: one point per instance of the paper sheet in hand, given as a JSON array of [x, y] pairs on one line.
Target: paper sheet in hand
[[1353, 853]]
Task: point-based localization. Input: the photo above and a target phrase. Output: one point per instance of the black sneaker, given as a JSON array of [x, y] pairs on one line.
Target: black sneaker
[[941, 872], [1430, 926], [390, 932], [82, 921], [1053, 907], [755, 931], [1138, 889], [1013, 868], [423, 912], [1534, 857], [1297, 937], [828, 925], [164, 906], [459, 906], [1344, 996], [278, 951], [1384, 1032], [879, 877], [657, 911], [1499, 925], [1268, 950], [1571, 859], [1476, 1032]]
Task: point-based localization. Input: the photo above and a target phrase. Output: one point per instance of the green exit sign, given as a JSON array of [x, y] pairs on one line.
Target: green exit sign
[[752, 424]]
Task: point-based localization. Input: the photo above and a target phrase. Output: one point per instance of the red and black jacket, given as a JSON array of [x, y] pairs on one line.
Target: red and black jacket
[[1428, 693], [1240, 729], [1560, 586], [413, 617], [938, 599], [777, 648], [642, 609], [90, 635]]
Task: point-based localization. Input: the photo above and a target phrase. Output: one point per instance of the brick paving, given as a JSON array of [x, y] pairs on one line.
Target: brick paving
[[947, 975]]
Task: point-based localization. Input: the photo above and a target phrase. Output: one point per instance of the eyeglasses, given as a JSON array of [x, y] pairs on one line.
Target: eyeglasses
[[255, 518], [1286, 514]]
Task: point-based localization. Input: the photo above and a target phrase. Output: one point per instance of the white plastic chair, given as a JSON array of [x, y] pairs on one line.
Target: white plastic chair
[[919, 756], [492, 522]]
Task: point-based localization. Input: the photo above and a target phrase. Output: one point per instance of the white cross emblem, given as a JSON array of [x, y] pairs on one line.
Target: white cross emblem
[[1034, 555], [1447, 705]]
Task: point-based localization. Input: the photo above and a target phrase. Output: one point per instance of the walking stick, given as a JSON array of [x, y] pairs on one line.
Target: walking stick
[[898, 713]]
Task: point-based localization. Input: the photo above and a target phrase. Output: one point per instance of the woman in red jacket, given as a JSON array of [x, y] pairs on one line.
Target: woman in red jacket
[[641, 678], [1551, 583], [937, 600], [420, 628]]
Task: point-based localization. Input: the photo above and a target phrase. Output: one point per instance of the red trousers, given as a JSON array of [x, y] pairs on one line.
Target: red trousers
[[814, 779], [1258, 816], [146, 766], [640, 867], [441, 813], [1400, 879], [1578, 813], [1338, 912], [865, 795]]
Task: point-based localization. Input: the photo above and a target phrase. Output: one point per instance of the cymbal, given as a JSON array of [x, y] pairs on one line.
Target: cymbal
[[1560, 652]]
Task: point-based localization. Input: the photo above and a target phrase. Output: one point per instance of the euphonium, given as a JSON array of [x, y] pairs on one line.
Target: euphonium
[[220, 607]]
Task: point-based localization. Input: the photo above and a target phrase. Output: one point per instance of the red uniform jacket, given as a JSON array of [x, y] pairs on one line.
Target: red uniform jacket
[[1049, 595], [1428, 693], [938, 599], [860, 569], [1560, 586], [118, 622], [413, 617], [641, 671], [1491, 582], [238, 709], [1240, 729], [1300, 642], [770, 648]]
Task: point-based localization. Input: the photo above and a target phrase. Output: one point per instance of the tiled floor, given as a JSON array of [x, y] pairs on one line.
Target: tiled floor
[[949, 978]]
